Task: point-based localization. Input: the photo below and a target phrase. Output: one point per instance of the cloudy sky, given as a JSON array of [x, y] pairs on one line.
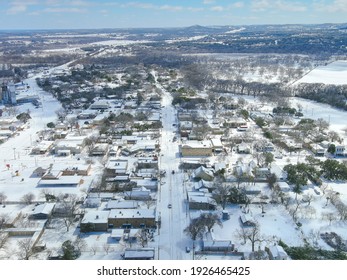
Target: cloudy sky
[[48, 14]]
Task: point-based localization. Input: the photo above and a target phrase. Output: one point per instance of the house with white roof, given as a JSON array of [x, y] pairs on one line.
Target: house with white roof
[[132, 218], [95, 220], [276, 252]]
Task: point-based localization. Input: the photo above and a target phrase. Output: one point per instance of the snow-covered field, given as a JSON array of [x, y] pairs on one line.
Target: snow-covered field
[[334, 73]]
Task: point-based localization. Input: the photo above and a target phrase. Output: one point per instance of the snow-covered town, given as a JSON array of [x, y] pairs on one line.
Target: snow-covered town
[[143, 161]]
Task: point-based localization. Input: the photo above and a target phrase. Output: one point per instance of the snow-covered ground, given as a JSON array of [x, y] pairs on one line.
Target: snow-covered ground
[[334, 73]]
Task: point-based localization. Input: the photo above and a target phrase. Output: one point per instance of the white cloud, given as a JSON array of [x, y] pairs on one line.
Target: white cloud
[[16, 9], [65, 10], [171, 8], [238, 5], [19, 6], [335, 6], [263, 5], [260, 5], [290, 6], [217, 9], [208, 2]]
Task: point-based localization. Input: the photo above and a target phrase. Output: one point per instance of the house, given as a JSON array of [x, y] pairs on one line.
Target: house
[[235, 122], [138, 194], [139, 254], [264, 147], [77, 169], [203, 173], [149, 184], [217, 246], [196, 148], [128, 235], [318, 150], [201, 201], [100, 105], [243, 148], [247, 220], [132, 218], [42, 147], [39, 172], [116, 167], [340, 150], [276, 252], [217, 145], [62, 181], [121, 204], [92, 202], [100, 149], [72, 144], [42, 211], [95, 220], [262, 172]]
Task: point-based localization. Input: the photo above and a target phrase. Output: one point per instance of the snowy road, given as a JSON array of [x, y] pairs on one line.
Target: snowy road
[[172, 241]]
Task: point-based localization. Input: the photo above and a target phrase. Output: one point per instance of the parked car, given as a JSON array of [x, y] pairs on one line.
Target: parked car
[[169, 206]]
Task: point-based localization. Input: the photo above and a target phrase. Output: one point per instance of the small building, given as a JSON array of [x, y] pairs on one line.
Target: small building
[[121, 204], [100, 149], [139, 254], [201, 201], [203, 173], [196, 148], [138, 194], [262, 172], [318, 150], [42, 211], [132, 218], [39, 172], [149, 184], [62, 181], [247, 220], [243, 148], [116, 167], [95, 220], [72, 144], [217, 246], [100, 105], [77, 169], [42, 147], [276, 252], [217, 145]]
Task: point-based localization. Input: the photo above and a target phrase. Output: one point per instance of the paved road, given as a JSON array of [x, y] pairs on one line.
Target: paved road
[[172, 240]]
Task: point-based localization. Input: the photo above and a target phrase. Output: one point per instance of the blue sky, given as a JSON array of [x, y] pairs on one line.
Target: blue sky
[[51, 14]]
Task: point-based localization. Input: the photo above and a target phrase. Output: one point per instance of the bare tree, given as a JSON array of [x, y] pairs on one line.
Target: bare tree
[[143, 237], [210, 219], [149, 202], [61, 114], [12, 111], [93, 248], [107, 248], [195, 229], [221, 191], [68, 206], [3, 198], [90, 142], [330, 216], [26, 250], [48, 195], [4, 219], [72, 122], [251, 234], [28, 198], [307, 198], [3, 239]]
